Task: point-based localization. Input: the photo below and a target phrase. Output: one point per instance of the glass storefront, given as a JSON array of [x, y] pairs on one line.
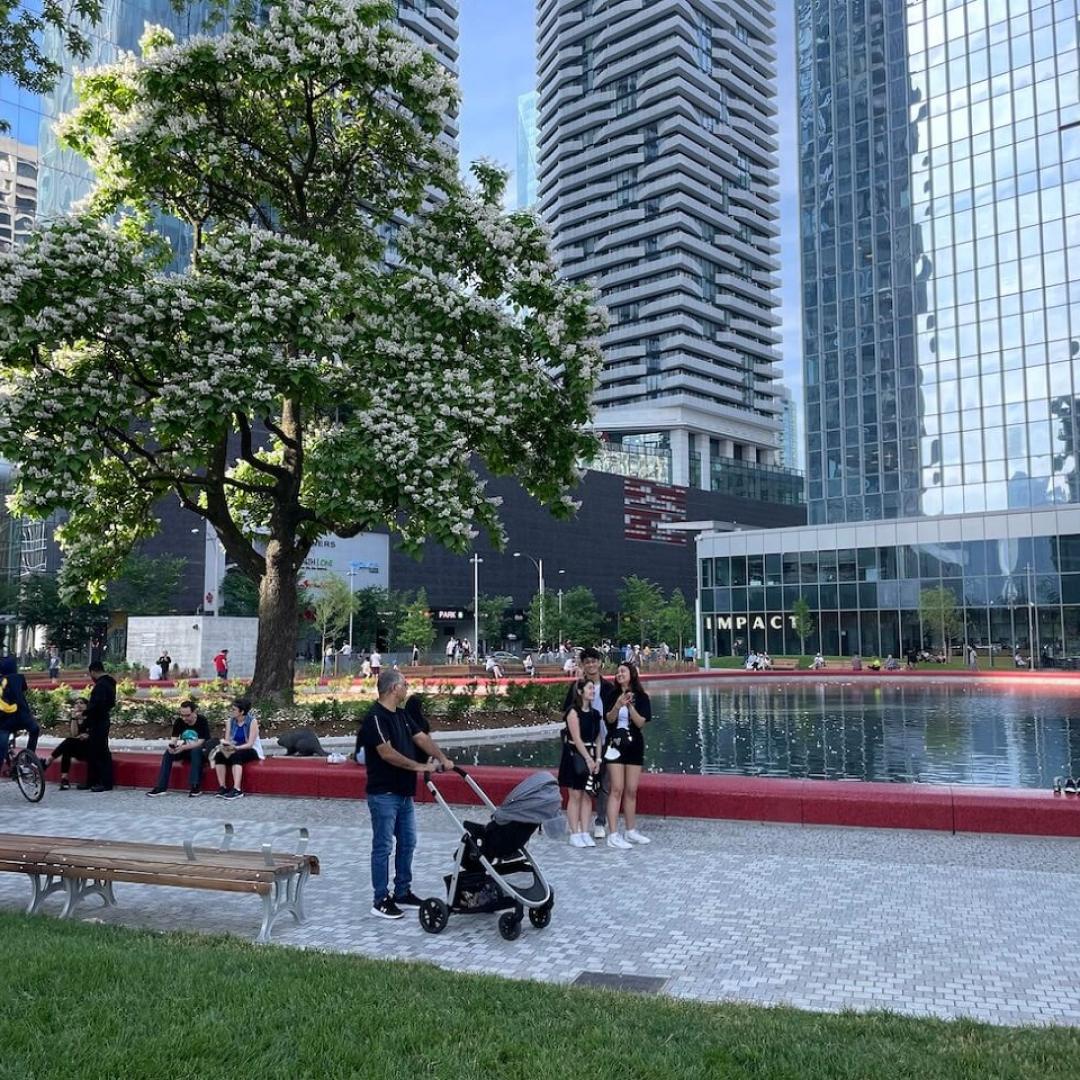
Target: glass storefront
[[1011, 593]]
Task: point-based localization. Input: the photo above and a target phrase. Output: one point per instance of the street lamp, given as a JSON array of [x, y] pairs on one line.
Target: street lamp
[[539, 564], [476, 561]]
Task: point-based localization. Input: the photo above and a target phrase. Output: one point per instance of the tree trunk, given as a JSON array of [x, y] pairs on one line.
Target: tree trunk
[[275, 659]]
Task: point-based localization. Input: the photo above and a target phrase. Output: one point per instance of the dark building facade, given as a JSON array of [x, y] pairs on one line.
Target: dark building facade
[[615, 533]]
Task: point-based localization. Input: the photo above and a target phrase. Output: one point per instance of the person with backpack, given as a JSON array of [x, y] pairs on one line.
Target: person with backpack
[[15, 714]]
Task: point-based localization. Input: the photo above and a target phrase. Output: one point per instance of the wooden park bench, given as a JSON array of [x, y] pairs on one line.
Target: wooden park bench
[[785, 665], [81, 867]]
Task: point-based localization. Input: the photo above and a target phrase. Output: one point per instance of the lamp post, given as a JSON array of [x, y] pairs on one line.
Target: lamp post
[[476, 561], [539, 564], [354, 569], [1031, 618]]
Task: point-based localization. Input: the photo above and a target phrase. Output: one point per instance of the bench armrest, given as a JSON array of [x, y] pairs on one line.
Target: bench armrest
[[224, 845], [300, 847]]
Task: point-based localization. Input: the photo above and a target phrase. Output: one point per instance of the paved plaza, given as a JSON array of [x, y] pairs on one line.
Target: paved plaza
[[818, 918]]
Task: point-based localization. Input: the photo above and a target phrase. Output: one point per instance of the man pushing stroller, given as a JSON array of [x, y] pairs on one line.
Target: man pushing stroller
[[391, 739]]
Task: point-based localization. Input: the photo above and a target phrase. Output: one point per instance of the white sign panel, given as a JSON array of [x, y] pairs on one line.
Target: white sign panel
[[363, 561]]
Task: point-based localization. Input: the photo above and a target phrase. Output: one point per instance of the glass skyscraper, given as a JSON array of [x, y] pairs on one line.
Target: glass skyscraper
[[525, 176], [940, 223], [940, 231]]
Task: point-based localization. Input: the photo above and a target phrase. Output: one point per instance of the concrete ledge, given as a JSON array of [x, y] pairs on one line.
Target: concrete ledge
[[740, 798]]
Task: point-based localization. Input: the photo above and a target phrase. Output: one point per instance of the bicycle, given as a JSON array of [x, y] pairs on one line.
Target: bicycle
[[25, 769]]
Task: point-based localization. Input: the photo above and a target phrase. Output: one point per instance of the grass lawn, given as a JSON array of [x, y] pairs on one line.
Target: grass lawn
[[91, 1001]]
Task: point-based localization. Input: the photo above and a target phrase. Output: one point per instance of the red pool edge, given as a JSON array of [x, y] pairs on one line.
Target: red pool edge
[[945, 808]]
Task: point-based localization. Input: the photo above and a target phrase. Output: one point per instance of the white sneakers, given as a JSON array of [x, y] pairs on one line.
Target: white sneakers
[[599, 832], [614, 840], [581, 839]]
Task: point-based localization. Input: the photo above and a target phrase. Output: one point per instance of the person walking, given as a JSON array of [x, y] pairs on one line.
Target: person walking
[[74, 746], [15, 712], [241, 746], [99, 762], [530, 665], [579, 765], [390, 737], [376, 662], [164, 663], [190, 734], [624, 755], [54, 662], [415, 661], [221, 665]]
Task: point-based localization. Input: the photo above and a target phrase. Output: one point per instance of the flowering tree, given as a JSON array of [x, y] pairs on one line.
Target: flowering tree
[[319, 365]]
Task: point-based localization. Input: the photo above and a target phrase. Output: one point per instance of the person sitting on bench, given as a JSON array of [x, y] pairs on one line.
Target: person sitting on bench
[[190, 734], [240, 746]]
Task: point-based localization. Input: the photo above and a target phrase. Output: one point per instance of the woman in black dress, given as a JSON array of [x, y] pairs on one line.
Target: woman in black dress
[[625, 755], [579, 767]]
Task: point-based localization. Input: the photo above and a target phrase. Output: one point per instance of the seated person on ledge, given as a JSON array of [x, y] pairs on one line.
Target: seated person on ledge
[[240, 747], [74, 746], [190, 734]]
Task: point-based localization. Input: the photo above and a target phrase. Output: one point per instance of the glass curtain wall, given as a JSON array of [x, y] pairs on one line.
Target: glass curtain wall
[[1019, 594]]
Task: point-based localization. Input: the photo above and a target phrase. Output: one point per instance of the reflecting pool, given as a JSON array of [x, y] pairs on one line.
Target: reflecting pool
[[885, 729]]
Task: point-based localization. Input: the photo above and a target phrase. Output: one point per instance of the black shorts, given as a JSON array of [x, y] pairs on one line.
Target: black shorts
[[573, 771], [237, 757], [631, 744]]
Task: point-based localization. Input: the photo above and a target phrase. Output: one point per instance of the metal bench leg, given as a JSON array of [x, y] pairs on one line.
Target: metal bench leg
[[79, 889], [296, 894], [287, 898], [268, 918], [72, 893], [43, 886]]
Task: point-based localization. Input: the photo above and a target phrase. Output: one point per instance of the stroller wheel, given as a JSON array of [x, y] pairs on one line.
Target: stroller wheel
[[541, 916], [434, 915], [510, 925]]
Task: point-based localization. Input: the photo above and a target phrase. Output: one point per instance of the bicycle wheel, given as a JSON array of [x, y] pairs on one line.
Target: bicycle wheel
[[30, 776]]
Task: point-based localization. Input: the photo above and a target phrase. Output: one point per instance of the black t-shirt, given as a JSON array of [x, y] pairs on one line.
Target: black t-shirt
[[608, 693], [198, 725], [383, 726]]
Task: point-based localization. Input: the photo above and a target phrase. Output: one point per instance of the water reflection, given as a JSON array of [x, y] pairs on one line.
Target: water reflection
[[897, 730]]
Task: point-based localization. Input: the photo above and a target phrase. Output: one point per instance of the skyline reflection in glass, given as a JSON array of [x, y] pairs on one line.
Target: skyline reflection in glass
[[940, 219]]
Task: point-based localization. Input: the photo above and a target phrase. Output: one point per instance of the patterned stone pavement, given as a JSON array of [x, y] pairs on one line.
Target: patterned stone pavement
[[922, 923]]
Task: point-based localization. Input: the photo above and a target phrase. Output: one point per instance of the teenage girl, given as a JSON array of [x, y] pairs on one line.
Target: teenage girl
[[625, 722], [580, 760]]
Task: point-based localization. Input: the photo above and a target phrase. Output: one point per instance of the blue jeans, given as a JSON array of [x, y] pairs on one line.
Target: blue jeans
[[12, 725], [392, 818], [169, 760]]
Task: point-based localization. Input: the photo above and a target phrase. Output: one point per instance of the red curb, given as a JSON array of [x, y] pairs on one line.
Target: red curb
[[739, 798]]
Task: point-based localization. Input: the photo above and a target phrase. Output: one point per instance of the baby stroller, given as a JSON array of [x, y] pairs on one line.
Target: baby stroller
[[492, 859]]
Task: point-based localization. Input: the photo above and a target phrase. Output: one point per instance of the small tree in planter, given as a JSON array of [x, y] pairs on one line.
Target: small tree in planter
[[803, 622]]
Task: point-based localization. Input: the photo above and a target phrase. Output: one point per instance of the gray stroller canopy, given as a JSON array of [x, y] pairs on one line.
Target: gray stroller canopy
[[535, 800]]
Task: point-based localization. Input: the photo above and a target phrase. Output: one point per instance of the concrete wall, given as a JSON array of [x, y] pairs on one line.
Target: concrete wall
[[193, 641]]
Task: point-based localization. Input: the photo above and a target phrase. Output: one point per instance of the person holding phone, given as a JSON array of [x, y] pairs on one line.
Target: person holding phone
[[579, 768], [624, 756], [74, 746], [240, 747]]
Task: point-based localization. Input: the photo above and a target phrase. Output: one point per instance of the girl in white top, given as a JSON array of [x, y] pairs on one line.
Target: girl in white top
[[625, 755]]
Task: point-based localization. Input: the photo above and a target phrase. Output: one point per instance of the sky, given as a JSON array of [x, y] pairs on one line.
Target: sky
[[498, 63]]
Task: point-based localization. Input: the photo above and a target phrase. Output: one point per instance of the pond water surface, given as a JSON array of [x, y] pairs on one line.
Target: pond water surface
[[887, 729]]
